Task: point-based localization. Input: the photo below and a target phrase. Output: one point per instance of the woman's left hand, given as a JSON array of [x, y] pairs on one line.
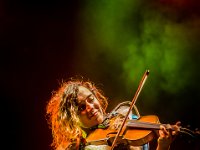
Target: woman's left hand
[[167, 135]]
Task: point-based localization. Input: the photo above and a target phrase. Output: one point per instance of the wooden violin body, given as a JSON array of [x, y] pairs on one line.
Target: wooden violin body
[[135, 133]]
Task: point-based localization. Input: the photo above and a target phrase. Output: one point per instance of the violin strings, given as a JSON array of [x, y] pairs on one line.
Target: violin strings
[[134, 123], [187, 131], [146, 123], [143, 124]]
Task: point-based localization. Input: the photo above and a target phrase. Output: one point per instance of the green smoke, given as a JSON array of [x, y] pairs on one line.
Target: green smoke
[[124, 38]]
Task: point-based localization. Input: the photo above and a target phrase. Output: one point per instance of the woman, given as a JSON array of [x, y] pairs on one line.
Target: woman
[[75, 109]]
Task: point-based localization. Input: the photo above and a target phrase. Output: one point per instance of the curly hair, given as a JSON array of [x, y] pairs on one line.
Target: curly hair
[[62, 112]]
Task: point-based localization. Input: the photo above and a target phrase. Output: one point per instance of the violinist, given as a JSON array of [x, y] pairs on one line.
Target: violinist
[[77, 108]]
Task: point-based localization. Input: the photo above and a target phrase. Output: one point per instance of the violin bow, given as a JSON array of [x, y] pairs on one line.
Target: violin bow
[[144, 78]]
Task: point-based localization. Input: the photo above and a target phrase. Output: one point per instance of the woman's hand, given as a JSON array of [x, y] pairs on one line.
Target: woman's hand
[[167, 135]]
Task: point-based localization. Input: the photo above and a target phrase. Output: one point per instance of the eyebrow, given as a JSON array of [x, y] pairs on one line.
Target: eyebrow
[[87, 97], [83, 101]]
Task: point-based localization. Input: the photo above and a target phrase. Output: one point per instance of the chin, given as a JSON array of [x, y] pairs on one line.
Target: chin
[[100, 120]]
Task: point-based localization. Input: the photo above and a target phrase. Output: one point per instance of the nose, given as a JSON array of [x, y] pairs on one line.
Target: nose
[[89, 107]]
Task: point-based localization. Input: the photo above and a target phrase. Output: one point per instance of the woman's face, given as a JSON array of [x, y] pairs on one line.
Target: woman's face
[[90, 111]]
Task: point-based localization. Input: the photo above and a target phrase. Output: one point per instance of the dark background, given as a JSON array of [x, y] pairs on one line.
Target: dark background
[[42, 43]]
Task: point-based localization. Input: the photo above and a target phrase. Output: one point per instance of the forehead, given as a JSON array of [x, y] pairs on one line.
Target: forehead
[[83, 92]]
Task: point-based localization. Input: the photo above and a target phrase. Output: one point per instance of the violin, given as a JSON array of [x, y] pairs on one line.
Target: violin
[[132, 132], [135, 132]]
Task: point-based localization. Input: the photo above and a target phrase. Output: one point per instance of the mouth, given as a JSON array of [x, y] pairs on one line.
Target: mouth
[[93, 114]]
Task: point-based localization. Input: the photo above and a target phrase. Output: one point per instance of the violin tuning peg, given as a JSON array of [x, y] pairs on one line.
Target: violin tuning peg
[[197, 131], [188, 126]]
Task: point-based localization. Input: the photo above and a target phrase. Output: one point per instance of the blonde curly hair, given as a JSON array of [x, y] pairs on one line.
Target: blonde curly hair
[[62, 112]]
